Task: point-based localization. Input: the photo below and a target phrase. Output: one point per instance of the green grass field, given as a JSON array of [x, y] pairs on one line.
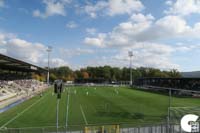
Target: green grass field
[[93, 105]]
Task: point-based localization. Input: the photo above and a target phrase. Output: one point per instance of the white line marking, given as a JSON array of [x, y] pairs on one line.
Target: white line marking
[[187, 107], [83, 114], [67, 113], [21, 112]]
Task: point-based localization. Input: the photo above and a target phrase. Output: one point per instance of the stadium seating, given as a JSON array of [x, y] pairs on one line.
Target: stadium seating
[[16, 89]]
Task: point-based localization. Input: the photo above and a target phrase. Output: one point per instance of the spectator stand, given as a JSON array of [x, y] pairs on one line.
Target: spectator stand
[[16, 80]]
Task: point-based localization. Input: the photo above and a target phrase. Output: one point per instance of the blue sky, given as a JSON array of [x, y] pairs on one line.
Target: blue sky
[[162, 34]]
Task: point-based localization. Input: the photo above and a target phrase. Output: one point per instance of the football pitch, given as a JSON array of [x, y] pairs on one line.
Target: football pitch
[[83, 105]]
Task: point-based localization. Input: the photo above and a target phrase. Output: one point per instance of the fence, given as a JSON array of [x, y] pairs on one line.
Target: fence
[[148, 129], [153, 129]]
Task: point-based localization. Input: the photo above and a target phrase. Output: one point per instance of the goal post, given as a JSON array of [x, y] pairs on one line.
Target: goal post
[[102, 129]]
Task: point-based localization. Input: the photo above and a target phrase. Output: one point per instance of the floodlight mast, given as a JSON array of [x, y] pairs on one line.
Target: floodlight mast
[[49, 49], [130, 54]]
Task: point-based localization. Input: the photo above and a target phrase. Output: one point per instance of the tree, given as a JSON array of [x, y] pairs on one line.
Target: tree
[[85, 75], [52, 77], [174, 73], [116, 73], [106, 72], [63, 73], [35, 76]]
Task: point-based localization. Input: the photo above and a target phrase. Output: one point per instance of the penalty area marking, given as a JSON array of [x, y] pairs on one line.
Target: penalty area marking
[[18, 115], [83, 114]]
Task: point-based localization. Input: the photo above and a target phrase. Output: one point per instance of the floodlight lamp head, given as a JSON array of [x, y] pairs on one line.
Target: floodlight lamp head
[[130, 53]]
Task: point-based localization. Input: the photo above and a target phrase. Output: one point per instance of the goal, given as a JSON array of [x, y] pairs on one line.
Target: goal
[[176, 113]]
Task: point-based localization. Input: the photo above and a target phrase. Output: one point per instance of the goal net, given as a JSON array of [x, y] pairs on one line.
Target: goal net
[[177, 113]]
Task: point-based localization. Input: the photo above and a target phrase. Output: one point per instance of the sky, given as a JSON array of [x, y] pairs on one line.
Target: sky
[[163, 34]]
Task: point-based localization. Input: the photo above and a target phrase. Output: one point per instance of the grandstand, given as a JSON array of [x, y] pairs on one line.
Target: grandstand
[[179, 83], [16, 82], [179, 86]]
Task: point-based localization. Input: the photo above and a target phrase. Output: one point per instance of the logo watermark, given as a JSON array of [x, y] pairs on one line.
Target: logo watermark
[[189, 123]]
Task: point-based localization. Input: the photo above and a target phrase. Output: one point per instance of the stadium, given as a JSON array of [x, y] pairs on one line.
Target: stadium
[[99, 66], [29, 105]]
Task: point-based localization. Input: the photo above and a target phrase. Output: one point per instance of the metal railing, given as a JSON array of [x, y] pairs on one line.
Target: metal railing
[[80, 129]]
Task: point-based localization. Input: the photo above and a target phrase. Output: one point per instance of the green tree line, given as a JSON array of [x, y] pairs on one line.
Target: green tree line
[[109, 73]]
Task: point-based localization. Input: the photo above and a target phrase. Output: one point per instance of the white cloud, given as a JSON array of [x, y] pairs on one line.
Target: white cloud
[[163, 28], [3, 51], [146, 54], [124, 34], [2, 39], [54, 62], [57, 62], [113, 7], [142, 28], [149, 55], [169, 2], [183, 47], [141, 18], [118, 7], [140, 34], [75, 52], [193, 32], [91, 31], [183, 7], [92, 9], [53, 7], [170, 26], [71, 25], [27, 51], [99, 41]]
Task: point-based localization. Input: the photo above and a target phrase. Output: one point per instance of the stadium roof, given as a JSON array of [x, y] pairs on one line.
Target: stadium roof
[[9, 63]]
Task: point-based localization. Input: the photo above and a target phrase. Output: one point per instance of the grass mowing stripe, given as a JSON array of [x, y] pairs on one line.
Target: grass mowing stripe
[[83, 114], [21, 113], [67, 110]]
